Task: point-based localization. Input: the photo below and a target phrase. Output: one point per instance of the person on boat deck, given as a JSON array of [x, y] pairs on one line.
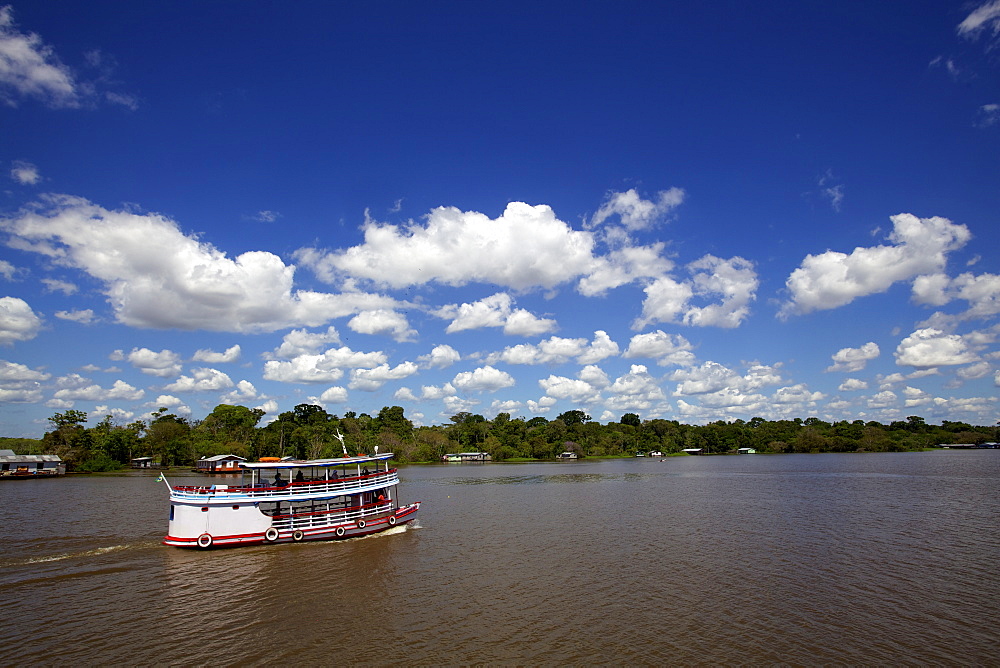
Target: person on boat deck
[[278, 480], [365, 471], [299, 477]]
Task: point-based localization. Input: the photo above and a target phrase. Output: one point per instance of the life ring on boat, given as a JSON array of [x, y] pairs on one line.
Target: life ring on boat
[[361, 524], [271, 534], [339, 532], [297, 535], [204, 541], [392, 520]]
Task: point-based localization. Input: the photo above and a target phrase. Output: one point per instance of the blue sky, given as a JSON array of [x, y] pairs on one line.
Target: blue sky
[[691, 211]]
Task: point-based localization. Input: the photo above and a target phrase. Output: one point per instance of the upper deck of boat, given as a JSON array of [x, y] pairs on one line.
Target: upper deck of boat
[[316, 463]]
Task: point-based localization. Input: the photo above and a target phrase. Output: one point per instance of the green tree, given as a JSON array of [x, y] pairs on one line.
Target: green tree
[[631, 419], [392, 419], [573, 417], [68, 439], [232, 429], [168, 438]]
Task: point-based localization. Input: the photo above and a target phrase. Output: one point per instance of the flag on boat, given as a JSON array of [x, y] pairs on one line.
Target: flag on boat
[[160, 478]]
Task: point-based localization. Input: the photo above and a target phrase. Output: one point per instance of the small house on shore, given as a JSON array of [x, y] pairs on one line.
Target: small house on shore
[[219, 464], [692, 451], [746, 451], [13, 466]]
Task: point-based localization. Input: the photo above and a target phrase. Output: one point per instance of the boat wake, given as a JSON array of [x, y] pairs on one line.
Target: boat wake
[[96, 552], [394, 531]]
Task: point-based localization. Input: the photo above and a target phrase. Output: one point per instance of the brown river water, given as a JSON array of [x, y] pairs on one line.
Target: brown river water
[[782, 559]]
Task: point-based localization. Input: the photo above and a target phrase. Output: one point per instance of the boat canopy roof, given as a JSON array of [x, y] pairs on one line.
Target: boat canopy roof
[[309, 463]]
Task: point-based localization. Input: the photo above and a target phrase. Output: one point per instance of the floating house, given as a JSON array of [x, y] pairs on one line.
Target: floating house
[[219, 464], [21, 467], [567, 455], [467, 457], [746, 451]]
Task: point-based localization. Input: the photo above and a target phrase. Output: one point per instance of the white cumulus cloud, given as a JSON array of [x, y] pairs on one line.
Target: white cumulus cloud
[[303, 342], [440, 357], [918, 246], [636, 213], [385, 322], [483, 379], [733, 281], [458, 247], [667, 350], [370, 380], [201, 380], [494, 311], [854, 359], [231, 354], [929, 347], [852, 385], [323, 368], [84, 316], [30, 68], [24, 173], [559, 350], [157, 277], [984, 18], [17, 321], [163, 364]]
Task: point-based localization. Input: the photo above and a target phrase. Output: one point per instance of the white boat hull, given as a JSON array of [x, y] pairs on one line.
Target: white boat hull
[[272, 535]]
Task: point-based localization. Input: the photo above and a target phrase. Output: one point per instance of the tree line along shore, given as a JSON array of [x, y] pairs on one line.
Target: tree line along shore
[[310, 432]]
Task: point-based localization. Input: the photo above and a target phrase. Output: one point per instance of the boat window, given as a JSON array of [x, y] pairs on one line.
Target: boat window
[[171, 512]]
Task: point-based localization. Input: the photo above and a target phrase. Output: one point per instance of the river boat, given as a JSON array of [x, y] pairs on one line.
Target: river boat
[[290, 501]]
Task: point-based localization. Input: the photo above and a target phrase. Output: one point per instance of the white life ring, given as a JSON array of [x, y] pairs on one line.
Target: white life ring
[[297, 535], [204, 541], [361, 524], [271, 534], [340, 532], [392, 520]]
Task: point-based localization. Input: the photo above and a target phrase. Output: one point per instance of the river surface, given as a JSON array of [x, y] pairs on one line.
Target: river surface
[[781, 559]]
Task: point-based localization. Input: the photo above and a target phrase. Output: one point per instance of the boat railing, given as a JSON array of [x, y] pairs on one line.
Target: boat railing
[[266, 490], [325, 518]]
